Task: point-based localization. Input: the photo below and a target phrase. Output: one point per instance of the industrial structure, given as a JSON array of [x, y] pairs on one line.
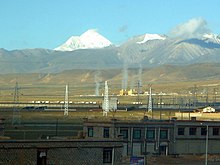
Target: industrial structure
[[105, 105], [66, 102], [16, 118], [150, 107]]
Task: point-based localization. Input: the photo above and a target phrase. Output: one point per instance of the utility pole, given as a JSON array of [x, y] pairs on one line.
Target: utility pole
[[206, 145], [66, 102], [16, 118]]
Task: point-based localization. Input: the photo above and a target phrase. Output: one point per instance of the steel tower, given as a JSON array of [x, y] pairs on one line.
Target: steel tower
[[150, 100], [105, 105], [66, 105], [16, 120]]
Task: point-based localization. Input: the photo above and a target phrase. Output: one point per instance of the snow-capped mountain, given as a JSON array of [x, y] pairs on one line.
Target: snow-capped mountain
[[149, 37], [155, 49], [211, 38], [146, 50], [91, 39]]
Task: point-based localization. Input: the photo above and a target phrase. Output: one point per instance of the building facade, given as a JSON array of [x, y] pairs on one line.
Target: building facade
[[60, 152], [164, 137]]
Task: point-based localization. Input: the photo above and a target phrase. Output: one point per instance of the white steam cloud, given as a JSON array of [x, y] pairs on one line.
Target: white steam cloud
[[195, 27], [98, 80], [140, 75], [125, 77]]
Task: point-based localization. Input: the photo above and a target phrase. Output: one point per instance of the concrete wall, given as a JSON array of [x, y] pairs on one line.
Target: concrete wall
[[2, 127], [197, 147]]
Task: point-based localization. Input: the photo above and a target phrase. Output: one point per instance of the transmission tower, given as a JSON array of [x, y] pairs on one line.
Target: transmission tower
[[66, 106], [150, 100], [195, 89], [16, 120], [105, 106], [138, 91], [215, 92]]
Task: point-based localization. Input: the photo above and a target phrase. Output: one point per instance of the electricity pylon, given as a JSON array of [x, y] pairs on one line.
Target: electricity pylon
[[16, 118], [66, 102], [150, 100], [105, 106]]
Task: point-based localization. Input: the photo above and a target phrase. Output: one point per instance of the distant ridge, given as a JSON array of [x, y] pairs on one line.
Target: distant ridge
[[93, 51], [163, 73]]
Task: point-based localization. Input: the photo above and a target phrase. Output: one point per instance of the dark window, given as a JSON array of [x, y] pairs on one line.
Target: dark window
[[215, 131], [106, 132], [150, 134], [192, 131], [107, 155], [124, 133], [203, 131], [137, 133], [41, 156], [90, 131], [181, 131], [163, 134]]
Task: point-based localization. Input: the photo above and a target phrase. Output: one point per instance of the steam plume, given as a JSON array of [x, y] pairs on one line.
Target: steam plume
[[140, 75], [98, 79], [125, 78]]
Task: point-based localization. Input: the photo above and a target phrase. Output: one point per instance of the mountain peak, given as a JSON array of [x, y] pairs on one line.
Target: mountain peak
[[210, 37], [149, 37], [90, 39]]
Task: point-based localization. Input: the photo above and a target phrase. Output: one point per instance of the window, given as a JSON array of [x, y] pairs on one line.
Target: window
[[41, 156], [107, 155], [181, 131], [106, 132], [163, 134], [124, 133], [90, 131], [151, 134], [215, 131], [192, 131], [203, 131], [137, 133]]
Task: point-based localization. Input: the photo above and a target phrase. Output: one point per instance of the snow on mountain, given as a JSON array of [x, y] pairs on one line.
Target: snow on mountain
[[91, 39], [211, 38], [149, 37]]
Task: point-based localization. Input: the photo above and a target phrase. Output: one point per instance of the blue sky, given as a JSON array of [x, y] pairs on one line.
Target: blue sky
[[49, 23]]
